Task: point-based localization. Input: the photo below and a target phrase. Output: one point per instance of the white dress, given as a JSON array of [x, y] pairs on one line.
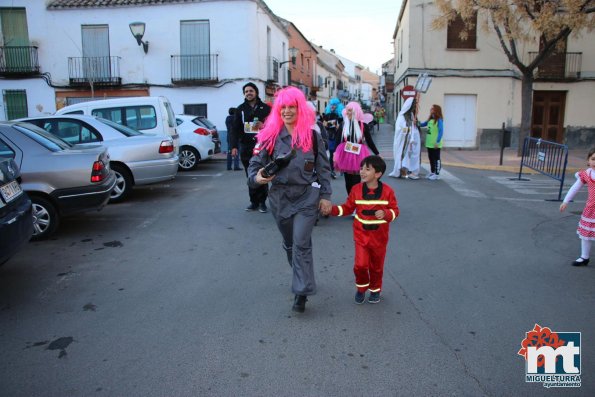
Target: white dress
[[406, 144]]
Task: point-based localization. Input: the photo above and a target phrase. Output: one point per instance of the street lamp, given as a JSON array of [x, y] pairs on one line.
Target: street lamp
[[292, 54], [138, 31]]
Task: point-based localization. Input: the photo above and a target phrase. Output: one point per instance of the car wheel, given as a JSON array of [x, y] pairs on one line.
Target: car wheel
[[45, 218], [123, 184], [189, 158]]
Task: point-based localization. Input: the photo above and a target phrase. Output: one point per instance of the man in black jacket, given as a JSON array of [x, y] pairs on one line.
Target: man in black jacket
[[248, 120]]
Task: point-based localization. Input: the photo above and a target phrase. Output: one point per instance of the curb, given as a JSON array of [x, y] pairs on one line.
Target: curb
[[482, 167], [503, 168]]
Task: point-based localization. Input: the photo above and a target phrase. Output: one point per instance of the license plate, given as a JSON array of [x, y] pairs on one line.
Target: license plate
[[10, 191]]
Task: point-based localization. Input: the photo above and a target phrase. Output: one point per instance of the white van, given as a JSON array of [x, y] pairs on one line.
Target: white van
[[148, 114]]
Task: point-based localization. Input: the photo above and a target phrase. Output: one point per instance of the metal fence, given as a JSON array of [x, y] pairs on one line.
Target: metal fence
[[18, 60], [564, 65], [547, 158], [96, 70], [273, 69], [194, 68]]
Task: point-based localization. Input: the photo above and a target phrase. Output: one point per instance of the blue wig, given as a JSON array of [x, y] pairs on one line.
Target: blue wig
[[338, 107]]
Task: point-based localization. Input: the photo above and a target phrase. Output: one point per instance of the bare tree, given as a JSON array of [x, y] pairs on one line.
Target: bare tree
[[543, 23]]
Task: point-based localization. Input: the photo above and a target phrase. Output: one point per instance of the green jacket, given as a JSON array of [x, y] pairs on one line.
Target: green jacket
[[434, 133]]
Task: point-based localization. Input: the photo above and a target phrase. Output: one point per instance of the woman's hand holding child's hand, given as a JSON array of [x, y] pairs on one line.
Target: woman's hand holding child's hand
[[325, 207], [563, 207]]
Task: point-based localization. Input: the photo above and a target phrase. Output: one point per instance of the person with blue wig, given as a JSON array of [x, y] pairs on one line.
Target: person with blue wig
[[333, 122]]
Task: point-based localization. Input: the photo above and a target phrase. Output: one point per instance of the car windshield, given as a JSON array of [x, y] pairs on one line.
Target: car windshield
[[120, 128], [207, 123], [44, 138]]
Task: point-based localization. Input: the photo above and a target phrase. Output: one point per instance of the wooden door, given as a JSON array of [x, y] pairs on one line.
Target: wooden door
[[459, 120], [15, 39], [195, 48], [96, 54], [547, 121]]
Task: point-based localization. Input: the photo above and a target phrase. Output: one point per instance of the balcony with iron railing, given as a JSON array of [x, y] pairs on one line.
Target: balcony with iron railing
[[102, 71], [273, 69], [558, 66], [194, 69], [18, 61]]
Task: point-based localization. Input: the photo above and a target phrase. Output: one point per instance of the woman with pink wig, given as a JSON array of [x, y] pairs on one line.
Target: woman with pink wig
[[355, 145], [300, 184]]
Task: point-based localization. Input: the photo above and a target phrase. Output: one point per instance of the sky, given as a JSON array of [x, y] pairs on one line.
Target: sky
[[359, 30]]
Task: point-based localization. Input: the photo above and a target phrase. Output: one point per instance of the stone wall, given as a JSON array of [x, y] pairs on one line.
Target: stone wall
[[490, 138], [576, 138], [580, 137]]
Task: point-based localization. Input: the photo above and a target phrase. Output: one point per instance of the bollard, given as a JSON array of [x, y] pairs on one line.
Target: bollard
[[504, 141]]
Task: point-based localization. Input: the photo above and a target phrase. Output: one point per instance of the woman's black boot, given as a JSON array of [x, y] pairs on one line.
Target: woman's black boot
[[299, 303]]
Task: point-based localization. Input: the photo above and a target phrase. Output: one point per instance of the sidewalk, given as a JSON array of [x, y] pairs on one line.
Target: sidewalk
[[467, 158]]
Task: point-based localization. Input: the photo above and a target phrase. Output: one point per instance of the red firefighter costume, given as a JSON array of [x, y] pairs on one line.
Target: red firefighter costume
[[369, 233]]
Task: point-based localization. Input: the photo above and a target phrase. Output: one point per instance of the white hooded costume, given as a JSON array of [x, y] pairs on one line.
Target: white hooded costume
[[406, 144]]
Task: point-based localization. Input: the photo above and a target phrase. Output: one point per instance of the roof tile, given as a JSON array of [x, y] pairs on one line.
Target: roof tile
[[60, 4]]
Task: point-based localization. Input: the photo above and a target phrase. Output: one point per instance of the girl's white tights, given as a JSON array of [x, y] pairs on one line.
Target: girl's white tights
[[585, 248]]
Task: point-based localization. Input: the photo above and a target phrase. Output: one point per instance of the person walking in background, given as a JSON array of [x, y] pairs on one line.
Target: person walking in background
[[300, 187], [406, 144], [319, 126], [586, 225], [375, 206], [247, 122], [230, 158], [355, 146], [333, 122], [435, 124], [379, 116]]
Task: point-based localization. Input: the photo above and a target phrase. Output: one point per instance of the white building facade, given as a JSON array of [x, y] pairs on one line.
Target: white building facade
[[479, 89], [200, 53]]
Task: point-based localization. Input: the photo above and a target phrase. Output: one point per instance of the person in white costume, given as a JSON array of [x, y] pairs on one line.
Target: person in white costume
[[407, 143]]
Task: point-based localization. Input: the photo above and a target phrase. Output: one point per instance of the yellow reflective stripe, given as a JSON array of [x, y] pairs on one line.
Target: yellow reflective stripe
[[362, 285], [370, 221], [372, 202], [375, 290], [394, 215], [340, 210]]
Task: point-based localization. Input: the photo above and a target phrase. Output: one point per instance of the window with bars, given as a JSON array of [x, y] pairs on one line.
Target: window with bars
[[15, 104], [455, 31]]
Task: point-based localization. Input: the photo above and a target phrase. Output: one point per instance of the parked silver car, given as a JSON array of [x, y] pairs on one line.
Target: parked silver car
[[60, 178], [136, 158]]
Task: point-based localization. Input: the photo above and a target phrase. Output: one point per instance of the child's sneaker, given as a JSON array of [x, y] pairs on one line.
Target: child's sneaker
[[359, 297], [374, 297]]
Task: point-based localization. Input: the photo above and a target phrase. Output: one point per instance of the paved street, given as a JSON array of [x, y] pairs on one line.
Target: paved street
[[180, 292]]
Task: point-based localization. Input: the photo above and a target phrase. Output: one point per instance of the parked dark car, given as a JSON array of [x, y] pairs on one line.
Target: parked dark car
[[60, 178], [16, 217]]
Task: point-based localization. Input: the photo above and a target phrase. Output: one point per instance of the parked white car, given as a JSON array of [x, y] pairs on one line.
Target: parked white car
[[197, 142], [148, 114], [135, 158]]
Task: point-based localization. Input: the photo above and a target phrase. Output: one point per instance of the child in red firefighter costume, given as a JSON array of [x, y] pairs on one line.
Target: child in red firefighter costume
[[375, 206]]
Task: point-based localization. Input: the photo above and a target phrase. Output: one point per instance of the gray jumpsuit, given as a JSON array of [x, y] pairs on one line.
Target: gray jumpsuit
[[293, 198]]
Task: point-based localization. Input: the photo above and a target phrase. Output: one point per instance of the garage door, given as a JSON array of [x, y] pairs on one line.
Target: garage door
[[459, 120]]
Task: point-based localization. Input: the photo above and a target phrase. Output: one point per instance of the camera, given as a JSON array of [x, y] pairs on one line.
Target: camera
[[277, 164]]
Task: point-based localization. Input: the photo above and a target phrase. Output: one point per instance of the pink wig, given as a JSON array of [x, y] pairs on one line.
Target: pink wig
[[358, 113], [302, 131]]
